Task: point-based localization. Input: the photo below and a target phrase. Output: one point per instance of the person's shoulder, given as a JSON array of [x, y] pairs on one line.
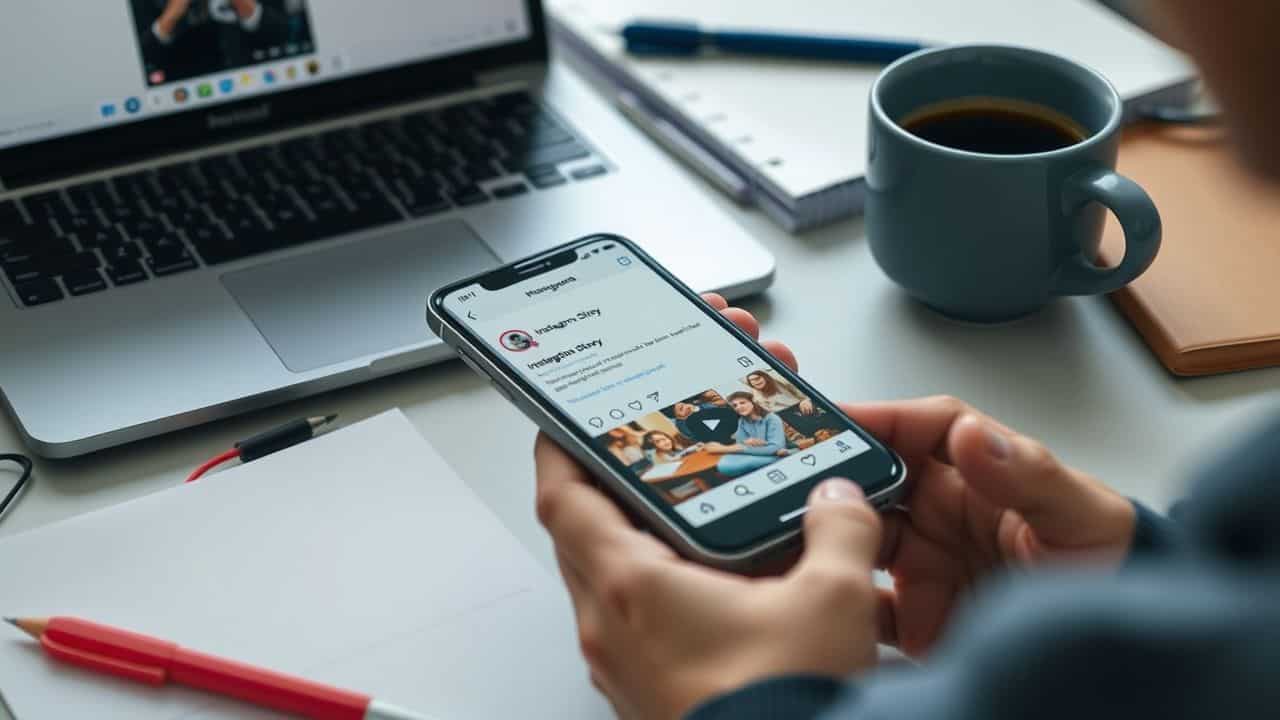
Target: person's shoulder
[[1179, 644], [1172, 642]]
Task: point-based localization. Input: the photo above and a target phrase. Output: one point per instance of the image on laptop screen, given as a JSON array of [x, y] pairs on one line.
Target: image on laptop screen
[[139, 59], [180, 40]]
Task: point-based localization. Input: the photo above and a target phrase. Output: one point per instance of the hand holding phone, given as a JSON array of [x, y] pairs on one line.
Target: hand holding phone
[[625, 368], [662, 634], [627, 587]]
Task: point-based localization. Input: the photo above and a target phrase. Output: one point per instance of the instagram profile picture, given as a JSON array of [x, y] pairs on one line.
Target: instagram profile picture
[[517, 340]]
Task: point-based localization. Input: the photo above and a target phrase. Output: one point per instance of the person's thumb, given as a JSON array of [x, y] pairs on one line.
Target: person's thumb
[[1065, 508], [841, 532]]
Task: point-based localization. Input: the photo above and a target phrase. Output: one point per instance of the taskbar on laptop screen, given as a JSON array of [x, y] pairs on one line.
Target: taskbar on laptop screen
[[119, 61]]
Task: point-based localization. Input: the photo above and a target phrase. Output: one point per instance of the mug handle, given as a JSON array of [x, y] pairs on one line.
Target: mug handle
[[1139, 218]]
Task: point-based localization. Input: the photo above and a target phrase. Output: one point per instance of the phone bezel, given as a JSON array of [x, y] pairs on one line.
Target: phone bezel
[[728, 540]]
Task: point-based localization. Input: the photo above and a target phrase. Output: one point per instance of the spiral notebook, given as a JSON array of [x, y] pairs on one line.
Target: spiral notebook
[[789, 136]]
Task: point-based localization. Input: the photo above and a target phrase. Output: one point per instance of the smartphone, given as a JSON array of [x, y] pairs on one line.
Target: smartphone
[[686, 420]]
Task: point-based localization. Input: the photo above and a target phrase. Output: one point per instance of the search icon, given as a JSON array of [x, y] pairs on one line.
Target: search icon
[[742, 490]]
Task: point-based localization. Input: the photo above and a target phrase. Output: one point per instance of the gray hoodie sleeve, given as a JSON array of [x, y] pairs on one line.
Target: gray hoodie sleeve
[[1188, 629]]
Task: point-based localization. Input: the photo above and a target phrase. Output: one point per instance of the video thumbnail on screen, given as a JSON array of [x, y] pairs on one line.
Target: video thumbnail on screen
[[182, 39], [709, 439]]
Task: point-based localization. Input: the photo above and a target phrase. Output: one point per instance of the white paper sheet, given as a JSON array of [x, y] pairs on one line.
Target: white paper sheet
[[358, 558]]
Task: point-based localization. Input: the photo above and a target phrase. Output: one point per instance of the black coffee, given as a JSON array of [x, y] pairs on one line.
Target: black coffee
[[994, 127]]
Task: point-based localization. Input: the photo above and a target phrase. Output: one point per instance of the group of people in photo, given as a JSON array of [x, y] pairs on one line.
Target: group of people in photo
[[711, 438]]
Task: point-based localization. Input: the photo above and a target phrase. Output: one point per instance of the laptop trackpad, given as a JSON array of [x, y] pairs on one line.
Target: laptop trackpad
[[356, 299]]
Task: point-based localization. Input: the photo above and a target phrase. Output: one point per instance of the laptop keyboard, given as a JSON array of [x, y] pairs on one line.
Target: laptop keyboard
[[131, 228]]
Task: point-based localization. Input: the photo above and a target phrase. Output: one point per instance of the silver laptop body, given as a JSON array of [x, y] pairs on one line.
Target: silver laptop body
[[188, 319]]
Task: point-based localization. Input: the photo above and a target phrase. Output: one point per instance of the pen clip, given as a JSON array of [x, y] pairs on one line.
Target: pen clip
[[149, 674]]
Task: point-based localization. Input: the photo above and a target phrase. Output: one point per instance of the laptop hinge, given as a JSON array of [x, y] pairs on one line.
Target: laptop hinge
[[531, 74]]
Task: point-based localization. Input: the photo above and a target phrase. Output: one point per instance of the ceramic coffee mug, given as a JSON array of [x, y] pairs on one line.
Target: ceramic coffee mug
[[975, 216]]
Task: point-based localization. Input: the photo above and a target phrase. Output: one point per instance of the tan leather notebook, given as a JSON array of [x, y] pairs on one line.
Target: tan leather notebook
[[1211, 301]]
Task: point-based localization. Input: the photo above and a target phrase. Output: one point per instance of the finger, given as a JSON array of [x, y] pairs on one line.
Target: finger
[[887, 616], [715, 300], [783, 353], [841, 533], [579, 591], [928, 578], [917, 429], [892, 523], [586, 610], [585, 525], [1063, 506], [744, 320]]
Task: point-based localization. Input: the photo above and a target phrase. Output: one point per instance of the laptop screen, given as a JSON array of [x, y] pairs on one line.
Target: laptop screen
[[90, 65]]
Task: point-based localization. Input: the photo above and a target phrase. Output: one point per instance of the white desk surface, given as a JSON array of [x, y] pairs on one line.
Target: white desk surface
[[1076, 376]]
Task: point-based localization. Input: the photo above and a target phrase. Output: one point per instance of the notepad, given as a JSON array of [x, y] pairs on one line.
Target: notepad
[[1209, 302], [357, 559], [794, 132]]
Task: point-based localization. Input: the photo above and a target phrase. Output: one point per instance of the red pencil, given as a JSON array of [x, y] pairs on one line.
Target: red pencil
[[154, 662]]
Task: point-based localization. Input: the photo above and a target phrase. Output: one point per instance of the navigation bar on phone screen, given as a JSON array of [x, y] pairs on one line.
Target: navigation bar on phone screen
[[759, 484]]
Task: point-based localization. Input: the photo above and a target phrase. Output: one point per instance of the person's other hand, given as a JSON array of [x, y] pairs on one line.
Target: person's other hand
[[806, 407], [754, 442], [982, 497]]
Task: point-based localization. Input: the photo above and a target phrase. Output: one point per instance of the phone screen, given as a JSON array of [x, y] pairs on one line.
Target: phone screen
[[709, 426]]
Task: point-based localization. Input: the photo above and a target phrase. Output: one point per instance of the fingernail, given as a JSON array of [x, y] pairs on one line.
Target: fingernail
[[840, 490], [997, 444]]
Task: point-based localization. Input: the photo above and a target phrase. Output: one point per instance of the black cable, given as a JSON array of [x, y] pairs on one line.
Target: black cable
[[282, 437], [25, 463]]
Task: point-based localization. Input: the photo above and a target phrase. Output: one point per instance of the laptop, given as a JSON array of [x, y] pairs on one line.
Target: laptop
[[209, 206]]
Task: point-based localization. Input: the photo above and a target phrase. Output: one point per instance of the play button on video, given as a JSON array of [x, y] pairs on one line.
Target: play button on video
[[711, 424]]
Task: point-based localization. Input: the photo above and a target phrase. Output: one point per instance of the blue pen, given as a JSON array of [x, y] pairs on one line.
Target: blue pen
[[656, 38]]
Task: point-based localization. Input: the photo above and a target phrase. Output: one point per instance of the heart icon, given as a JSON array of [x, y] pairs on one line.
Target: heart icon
[[809, 460], [635, 405]]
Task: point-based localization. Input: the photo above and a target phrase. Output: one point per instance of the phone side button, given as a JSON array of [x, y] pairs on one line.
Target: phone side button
[[471, 364], [525, 408], [503, 392]]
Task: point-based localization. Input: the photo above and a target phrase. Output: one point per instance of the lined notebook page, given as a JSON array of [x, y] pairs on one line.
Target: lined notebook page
[[803, 125]]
